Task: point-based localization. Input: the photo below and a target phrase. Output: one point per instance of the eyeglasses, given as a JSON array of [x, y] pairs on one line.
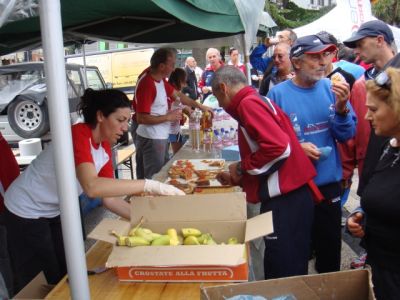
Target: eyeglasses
[[383, 80]]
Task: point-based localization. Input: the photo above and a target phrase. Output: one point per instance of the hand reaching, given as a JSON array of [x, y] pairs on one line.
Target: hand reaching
[[159, 188]]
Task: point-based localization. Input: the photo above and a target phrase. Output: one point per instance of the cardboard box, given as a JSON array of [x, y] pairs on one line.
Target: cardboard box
[[37, 288], [351, 285], [222, 215]]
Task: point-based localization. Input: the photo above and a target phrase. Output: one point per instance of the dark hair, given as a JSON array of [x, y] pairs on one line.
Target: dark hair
[[160, 56], [106, 101], [346, 53], [177, 77], [229, 75], [231, 49]]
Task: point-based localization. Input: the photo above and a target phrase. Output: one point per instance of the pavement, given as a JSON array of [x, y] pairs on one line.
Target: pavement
[[350, 245]]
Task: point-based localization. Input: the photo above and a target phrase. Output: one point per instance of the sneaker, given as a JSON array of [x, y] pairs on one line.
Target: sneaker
[[359, 262]]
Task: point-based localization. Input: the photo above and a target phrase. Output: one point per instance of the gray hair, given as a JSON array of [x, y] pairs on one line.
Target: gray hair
[[229, 75]]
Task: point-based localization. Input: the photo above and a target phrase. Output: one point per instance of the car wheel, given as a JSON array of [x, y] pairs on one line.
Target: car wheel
[[27, 118]]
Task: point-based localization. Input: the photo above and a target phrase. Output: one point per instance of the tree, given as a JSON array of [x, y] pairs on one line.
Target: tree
[[387, 10], [287, 14]]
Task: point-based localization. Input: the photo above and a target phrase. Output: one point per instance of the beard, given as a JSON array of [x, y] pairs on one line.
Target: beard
[[309, 77]]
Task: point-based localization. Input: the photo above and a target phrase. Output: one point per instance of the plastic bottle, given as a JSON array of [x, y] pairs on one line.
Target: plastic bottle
[[207, 140], [296, 127], [216, 145], [226, 139], [175, 126], [194, 127], [236, 138]]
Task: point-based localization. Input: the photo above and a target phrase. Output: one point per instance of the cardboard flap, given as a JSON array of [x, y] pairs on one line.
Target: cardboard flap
[[189, 208], [229, 255], [102, 230], [259, 226]]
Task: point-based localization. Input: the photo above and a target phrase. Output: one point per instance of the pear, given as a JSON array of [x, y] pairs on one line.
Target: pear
[[232, 241], [145, 233], [190, 231], [191, 240], [163, 240], [174, 241], [133, 241]]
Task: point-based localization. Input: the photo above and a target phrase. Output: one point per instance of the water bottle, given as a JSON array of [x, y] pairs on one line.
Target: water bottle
[[236, 137], [231, 133], [226, 139], [216, 145], [207, 141], [175, 125], [296, 127], [194, 127]]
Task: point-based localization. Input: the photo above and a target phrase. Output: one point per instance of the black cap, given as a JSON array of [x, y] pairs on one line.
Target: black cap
[[309, 44], [371, 29]]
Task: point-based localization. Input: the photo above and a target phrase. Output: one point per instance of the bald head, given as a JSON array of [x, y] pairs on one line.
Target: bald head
[[190, 62]]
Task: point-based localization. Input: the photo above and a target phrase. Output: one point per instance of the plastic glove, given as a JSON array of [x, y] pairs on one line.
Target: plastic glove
[[159, 188]]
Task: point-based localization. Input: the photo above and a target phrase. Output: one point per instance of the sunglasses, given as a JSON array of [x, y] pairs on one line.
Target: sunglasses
[[383, 80]]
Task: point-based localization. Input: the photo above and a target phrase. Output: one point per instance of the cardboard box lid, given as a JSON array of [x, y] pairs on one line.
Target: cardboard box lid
[[259, 226], [102, 230], [216, 207], [228, 255], [37, 288]]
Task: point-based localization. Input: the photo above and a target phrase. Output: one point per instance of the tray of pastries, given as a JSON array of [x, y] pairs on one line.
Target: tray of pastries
[[191, 174]]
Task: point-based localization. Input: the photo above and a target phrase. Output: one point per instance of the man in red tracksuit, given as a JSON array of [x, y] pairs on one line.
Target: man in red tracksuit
[[273, 169]]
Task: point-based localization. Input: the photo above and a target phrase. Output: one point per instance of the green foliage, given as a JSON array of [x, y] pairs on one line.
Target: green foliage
[[387, 11], [293, 16]]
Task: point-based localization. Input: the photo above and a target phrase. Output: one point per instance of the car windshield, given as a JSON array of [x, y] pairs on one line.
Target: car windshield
[[15, 81]]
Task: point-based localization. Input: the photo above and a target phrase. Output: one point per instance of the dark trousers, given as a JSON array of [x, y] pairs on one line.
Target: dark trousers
[[386, 282], [5, 263], [35, 245], [327, 236], [150, 156], [287, 249]]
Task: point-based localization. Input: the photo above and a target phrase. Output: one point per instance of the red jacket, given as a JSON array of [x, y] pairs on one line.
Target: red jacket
[[9, 169], [268, 147], [352, 152]]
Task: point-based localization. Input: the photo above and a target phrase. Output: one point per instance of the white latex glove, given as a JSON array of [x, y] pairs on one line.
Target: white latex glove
[[159, 188]]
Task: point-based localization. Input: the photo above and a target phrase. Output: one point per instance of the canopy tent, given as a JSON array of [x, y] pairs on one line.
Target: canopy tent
[[343, 20], [152, 21], [140, 21]]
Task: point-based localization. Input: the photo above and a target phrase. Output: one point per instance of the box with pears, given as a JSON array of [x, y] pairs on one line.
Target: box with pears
[[194, 238]]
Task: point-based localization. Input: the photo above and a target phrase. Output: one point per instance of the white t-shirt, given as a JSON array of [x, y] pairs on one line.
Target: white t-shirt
[[152, 97], [34, 193]]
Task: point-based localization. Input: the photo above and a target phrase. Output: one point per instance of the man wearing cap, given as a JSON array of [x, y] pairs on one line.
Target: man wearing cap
[[374, 43], [321, 115]]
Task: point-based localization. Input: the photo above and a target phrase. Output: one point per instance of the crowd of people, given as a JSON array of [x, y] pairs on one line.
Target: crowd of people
[[315, 115]]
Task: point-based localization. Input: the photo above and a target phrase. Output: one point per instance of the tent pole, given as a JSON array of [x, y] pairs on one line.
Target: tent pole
[[51, 30], [84, 63], [246, 60]]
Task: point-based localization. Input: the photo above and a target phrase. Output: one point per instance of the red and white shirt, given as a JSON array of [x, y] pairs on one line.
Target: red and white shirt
[[34, 194], [268, 147], [151, 97]]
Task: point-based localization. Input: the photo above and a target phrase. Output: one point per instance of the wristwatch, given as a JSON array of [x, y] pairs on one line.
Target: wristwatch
[[239, 171]]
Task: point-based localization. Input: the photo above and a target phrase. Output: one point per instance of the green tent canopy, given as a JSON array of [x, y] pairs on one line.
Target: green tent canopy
[[134, 21]]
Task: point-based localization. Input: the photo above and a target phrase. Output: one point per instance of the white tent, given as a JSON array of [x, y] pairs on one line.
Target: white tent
[[343, 20]]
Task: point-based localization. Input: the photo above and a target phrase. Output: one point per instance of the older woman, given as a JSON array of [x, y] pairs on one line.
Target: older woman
[[378, 220]]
